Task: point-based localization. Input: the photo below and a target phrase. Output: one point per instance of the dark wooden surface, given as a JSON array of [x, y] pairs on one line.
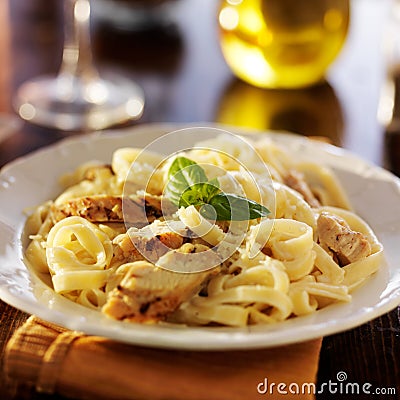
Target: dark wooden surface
[[179, 65]]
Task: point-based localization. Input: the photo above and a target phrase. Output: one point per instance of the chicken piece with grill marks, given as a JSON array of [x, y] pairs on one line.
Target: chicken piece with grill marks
[[135, 210], [337, 238], [150, 242], [149, 294]]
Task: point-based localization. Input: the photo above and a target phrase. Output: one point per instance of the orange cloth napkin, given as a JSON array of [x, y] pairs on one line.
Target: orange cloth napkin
[[71, 364]]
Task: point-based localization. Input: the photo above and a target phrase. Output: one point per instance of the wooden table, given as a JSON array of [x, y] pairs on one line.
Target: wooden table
[[185, 79]]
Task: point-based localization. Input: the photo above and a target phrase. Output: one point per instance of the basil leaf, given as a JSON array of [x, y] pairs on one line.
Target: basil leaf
[[191, 197], [209, 189], [182, 174], [188, 185], [198, 194], [231, 207]]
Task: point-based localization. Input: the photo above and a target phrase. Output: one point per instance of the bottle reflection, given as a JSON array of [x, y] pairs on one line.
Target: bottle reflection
[[313, 111]]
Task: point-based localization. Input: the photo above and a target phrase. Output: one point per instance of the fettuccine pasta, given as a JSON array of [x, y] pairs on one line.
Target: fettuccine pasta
[[181, 266]]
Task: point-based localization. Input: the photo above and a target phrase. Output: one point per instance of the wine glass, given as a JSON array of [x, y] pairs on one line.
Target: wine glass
[[78, 98]]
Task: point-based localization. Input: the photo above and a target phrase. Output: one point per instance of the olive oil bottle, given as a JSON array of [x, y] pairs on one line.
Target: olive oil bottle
[[282, 43]]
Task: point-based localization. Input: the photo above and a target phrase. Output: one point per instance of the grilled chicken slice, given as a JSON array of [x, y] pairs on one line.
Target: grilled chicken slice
[[150, 242], [336, 237], [296, 181], [156, 239], [125, 251], [138, 210], [149, 294]]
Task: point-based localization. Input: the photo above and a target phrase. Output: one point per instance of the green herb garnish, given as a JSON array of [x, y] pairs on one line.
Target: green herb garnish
[[188, 185], [182, 175]]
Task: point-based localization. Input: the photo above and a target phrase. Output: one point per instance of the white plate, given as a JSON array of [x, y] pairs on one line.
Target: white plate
[[30, 180]]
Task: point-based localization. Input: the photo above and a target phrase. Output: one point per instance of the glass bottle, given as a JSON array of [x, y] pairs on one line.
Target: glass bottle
[[282, 43]]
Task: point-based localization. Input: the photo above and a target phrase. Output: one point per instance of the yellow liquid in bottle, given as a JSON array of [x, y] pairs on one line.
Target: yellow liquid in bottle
[[282, 43]]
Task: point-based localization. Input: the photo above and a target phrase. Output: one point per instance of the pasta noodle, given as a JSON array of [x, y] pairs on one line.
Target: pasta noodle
[[311, 251], [77, 253], [38, 226], [200, 226]]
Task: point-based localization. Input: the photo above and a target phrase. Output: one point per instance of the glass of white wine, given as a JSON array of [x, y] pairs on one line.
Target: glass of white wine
[[78, 98], [282, 43]]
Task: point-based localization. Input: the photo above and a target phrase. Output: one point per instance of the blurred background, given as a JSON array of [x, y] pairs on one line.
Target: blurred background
[[177, 51]]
